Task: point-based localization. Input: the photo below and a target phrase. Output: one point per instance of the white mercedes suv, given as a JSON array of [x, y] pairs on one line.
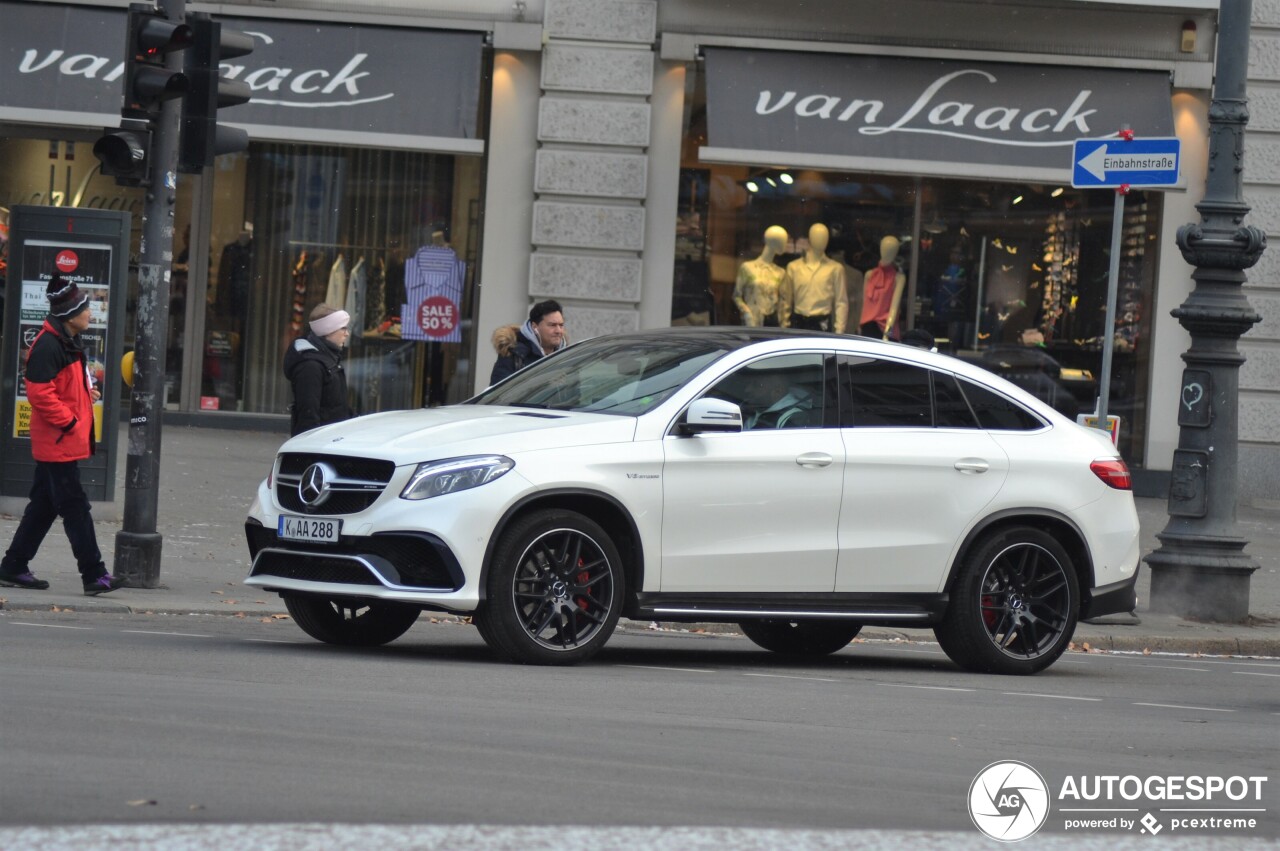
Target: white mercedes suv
[[797, 484]]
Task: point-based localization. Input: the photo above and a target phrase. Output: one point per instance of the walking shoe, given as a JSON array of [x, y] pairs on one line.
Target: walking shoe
[[23, 580], [104, 584]]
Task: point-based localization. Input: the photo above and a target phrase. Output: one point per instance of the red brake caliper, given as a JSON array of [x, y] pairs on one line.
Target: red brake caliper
[[583, 576], [988, 611]]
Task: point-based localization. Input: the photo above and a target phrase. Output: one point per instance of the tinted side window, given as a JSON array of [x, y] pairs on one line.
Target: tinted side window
[[786, 391], [884, 393], [949, 405], [996, 412]]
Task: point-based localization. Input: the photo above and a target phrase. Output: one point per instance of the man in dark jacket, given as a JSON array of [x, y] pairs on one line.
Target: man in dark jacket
[[519, 345], [313, 366], [61, 394]]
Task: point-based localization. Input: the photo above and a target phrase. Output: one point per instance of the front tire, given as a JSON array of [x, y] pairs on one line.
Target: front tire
[[350, 622], [800, 638], [1014, 605], [554, 591]]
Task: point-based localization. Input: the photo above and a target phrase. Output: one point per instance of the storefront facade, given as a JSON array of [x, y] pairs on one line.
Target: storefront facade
[[627, 157], [862, 117], [357, 179]]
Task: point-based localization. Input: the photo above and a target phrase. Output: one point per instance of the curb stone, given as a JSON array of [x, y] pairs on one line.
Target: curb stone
[[1266, 647]]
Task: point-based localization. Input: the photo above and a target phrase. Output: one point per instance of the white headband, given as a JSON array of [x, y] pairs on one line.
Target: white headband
[[326, 325]]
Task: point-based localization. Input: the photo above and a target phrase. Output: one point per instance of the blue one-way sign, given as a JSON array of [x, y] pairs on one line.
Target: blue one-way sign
[[1114, 162]]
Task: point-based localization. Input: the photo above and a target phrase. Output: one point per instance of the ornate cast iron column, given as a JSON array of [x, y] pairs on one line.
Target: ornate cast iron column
[[1200, 569]]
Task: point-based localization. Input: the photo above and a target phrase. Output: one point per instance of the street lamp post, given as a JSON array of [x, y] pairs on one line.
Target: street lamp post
[[1200, 569]]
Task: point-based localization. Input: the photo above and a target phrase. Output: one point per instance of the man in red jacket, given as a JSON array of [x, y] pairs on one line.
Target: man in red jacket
[[62, 394]]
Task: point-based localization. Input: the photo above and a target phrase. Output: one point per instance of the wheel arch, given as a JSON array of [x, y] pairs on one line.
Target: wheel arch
[[601, 508], [1059, 526]]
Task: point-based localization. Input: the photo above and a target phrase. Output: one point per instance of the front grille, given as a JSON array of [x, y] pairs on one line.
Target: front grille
[[313, 567], [413, 560], [373, 469], [363, 481], [337, 503]]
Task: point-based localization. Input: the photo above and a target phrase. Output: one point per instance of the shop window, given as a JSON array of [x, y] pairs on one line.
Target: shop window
[[1009, 275], [369, 231]]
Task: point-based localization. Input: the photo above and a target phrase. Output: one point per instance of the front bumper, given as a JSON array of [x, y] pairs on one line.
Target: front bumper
[[425, 552]]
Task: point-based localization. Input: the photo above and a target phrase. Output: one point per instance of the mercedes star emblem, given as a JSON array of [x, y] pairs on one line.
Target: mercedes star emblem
[[314, 488]]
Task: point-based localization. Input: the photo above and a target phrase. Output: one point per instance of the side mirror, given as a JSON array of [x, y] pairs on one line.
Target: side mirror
[[710, 414]]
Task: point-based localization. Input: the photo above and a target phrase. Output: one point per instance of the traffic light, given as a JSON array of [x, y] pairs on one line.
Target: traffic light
[[147, 82], [202, 137], [124, 151]]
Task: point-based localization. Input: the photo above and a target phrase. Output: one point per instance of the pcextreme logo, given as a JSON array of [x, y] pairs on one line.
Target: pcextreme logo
[[1008, 801]]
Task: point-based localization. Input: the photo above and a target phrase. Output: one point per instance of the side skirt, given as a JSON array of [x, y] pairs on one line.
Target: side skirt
[[903, 610]]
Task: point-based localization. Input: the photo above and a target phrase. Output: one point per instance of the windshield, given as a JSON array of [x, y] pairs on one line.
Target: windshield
[[606, 375]]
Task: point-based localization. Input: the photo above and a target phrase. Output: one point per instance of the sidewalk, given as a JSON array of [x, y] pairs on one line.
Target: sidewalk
[[208, 477]]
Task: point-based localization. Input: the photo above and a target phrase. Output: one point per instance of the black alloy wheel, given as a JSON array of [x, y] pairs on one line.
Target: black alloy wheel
[[351, 622], [554, 591], [1014, 606], [800, 638]]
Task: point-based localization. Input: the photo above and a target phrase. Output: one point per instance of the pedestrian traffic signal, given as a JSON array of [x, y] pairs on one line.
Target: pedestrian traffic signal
[[123, 153], [147, 82], [202, 137]]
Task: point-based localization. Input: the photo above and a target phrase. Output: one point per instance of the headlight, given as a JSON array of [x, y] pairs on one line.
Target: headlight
[[455, 474]]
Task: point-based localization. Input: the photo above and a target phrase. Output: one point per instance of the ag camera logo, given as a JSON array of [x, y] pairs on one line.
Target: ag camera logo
[[1008, 801]]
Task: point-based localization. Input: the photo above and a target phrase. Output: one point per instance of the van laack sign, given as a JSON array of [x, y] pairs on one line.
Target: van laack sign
[[924, 110]]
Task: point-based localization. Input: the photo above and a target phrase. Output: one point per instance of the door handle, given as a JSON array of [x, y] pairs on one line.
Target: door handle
[[814, 459], [972, 465]]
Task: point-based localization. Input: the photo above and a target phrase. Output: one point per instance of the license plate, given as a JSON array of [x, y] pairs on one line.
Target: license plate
[[309, 529]]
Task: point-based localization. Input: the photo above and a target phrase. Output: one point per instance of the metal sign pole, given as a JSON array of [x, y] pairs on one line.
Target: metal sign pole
[[1109, 328]]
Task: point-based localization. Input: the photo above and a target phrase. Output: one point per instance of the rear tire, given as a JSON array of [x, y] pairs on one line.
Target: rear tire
[[554, 591], [349, 622], [800, 638], [1014, 605]]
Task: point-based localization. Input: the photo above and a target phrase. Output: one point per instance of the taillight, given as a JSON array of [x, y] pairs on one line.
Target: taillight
[[1114, 472]]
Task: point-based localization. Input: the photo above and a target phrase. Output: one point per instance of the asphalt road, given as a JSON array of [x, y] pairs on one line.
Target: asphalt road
[[112, 719]]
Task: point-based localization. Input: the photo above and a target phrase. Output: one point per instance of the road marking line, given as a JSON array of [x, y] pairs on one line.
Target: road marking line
[[270, 640], [680, 670], [791, 677], [931, 688], [50, 625], [1176, 706], [1255, 674], [154, 632], [1180, 668], [1054, 696]]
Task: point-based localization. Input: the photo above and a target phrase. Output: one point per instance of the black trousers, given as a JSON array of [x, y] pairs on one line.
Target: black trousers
[[811, 323], [56, 492]]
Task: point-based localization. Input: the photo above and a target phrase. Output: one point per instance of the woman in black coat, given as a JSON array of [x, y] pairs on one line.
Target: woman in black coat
[[313, 366]]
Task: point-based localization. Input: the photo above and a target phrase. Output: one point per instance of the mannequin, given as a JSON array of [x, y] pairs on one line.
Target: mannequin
[[813, 294], [882, 294], [756, 291]]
